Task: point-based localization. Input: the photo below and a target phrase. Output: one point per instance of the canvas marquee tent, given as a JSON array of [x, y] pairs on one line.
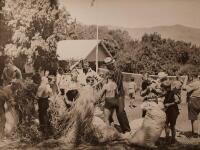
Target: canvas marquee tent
[[82, 49]]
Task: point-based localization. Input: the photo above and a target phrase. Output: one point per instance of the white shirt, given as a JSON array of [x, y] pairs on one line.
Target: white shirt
[[132, 87], [91, 73]]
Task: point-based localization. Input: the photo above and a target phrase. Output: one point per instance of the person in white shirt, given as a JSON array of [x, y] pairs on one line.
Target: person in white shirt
[[132, 86], [87, 72]]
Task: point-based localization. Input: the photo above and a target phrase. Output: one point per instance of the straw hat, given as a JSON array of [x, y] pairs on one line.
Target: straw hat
[[109, 60], [162, 75]]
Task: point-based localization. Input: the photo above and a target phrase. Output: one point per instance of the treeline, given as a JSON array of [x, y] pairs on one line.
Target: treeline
[[31, 29], [151, 54], [35, 27]]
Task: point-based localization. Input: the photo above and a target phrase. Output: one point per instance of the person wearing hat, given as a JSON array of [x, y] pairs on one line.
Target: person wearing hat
[[152, 90], [193, 92], [118, 79]]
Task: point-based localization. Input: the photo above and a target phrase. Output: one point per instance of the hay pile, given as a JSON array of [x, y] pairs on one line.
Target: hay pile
[[27, 128], [79, 125], [152, 126], [76, 125]]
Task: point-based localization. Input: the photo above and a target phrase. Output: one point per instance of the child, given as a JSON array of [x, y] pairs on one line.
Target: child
[[171, 102], [131, 91], [109, 90]]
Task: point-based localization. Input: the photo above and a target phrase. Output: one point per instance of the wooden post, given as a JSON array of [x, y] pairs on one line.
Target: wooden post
[[97, 50]]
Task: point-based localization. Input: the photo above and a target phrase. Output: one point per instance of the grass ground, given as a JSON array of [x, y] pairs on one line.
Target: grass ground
[[183, 130]]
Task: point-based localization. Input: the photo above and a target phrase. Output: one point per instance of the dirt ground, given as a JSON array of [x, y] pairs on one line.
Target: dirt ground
[[184, 140]]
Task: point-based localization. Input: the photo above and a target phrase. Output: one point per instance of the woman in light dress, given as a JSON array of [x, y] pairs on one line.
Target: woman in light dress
[[11, 116]]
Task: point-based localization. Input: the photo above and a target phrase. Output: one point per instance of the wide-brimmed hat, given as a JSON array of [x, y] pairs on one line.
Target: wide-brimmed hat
[[109, 60], [166, 84], [162, 75]]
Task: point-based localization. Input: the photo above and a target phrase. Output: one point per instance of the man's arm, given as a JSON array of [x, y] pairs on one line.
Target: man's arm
[[190, 87], [144, 92]]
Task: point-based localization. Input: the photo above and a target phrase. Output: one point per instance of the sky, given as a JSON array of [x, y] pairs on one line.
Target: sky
[[135, 13]]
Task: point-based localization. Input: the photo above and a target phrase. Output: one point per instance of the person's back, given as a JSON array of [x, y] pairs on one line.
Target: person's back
[[172, 98], [118, 79], [110, 88]]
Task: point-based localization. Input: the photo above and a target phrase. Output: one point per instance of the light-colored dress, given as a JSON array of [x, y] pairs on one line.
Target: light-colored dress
[[11, 119], [132, 88], [10, 112]]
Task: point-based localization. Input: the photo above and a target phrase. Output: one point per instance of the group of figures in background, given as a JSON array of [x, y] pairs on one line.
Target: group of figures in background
[[69, 105]]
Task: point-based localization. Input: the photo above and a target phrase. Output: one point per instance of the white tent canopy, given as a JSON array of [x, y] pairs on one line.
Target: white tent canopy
[[75, 49]]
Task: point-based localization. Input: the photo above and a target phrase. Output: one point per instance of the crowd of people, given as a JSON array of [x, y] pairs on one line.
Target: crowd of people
[[159, 94]]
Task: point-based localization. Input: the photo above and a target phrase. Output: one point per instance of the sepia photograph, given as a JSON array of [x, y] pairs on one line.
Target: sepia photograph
[[99, 74]]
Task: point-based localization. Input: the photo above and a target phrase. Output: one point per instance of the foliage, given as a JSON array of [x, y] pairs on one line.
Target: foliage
[[153, 54], [5, 35], [25, 101], [36, 24], [114, 40]]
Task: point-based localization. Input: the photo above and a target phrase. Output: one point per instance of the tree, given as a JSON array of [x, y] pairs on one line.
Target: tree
[[36, 24], [5, 35]]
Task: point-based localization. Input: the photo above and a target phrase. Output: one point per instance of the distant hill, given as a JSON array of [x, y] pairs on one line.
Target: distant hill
[[176, 32]]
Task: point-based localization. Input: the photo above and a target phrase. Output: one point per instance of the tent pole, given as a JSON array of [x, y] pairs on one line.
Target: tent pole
[[97, 50]]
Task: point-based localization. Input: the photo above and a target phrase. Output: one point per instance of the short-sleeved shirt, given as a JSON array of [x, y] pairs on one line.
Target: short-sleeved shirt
[[110, 89], [132, 87], [194, 88], [91, 73]]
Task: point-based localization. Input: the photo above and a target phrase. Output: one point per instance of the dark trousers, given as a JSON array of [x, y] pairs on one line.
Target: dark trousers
[[43, 105], [144, 113], [2, 115], [121, 116]]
